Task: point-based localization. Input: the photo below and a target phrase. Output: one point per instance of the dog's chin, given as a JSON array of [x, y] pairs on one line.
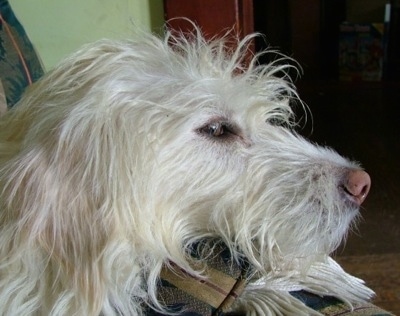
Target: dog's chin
[[318, 235], [336, 233]]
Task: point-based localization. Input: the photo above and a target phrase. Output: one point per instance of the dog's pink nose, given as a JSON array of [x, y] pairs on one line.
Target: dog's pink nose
[[358, 185]]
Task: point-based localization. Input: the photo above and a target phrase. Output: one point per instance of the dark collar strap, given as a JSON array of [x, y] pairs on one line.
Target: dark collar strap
[[225, 279]]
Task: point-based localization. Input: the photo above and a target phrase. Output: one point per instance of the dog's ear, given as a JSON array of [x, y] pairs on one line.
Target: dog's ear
[[53, 211], [65, 180]]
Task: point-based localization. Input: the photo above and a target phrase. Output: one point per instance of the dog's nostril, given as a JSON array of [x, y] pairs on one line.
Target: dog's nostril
[[357, 185]]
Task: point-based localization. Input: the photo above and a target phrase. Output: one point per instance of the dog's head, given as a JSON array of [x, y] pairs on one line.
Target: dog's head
[[136, 149]]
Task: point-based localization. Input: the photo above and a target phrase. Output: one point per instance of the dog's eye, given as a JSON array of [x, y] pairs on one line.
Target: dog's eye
[[216, 129]]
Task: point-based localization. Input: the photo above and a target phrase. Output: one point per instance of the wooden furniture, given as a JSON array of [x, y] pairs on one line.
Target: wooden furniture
[[214, 17]]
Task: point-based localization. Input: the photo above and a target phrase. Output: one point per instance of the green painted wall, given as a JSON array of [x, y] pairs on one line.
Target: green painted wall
[[58, 27]]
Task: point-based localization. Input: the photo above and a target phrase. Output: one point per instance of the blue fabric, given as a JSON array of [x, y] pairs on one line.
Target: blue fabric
[[331, 306], [19, 63]]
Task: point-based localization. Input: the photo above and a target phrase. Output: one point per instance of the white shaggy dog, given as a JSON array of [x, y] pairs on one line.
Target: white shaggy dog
[[128, 152]]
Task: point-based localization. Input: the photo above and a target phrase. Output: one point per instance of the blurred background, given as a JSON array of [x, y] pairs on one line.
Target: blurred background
[[350, 54]]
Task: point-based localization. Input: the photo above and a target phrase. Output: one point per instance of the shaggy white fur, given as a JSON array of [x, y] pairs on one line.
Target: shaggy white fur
[[129, 151]]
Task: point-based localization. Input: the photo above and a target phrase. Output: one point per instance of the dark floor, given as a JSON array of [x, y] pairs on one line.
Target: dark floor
[[362, 122]]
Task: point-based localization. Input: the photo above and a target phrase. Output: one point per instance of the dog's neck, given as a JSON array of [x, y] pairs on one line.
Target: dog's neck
[[222, 281]]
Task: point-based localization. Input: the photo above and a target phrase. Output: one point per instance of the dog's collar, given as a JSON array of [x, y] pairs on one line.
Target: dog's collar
[[213, 295]]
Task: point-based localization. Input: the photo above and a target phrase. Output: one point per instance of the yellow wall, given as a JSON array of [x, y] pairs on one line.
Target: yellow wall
[[58, 27]]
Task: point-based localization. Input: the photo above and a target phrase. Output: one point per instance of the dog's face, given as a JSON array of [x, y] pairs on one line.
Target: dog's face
[[217, 155], [230, 170]]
